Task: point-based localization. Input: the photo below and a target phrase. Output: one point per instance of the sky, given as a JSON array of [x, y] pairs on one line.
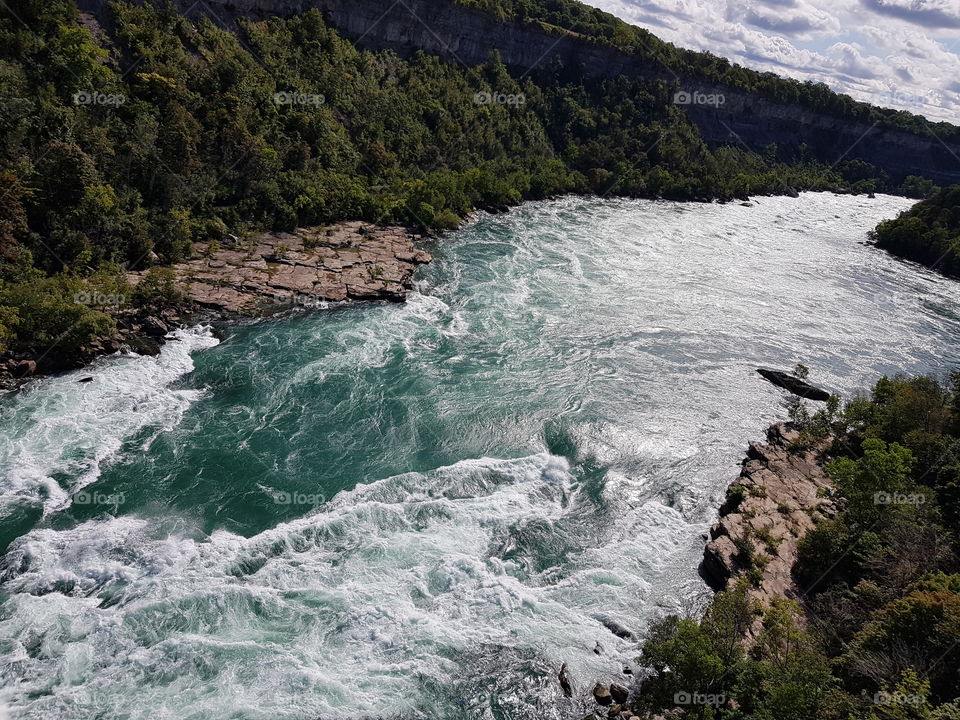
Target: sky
[[903, 54]]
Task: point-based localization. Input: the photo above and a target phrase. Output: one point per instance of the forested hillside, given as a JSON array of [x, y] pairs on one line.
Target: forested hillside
[[878, 634], [927, 233], [127, 143], [605, 28]]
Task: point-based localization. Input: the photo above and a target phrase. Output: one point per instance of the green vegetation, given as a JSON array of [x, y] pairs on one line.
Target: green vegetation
[[126, 147], [927, 233], [573, 17], [878, 634]]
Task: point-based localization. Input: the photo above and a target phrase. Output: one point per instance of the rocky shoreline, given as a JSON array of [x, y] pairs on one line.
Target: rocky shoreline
[[279, 270], [265, 275], [780, 495]]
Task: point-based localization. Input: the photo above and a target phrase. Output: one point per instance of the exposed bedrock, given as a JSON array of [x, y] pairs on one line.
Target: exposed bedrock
[[779, 496]]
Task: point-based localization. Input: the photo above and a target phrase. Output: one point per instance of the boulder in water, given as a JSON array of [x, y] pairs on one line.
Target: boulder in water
[[794, 384], [601, 693], [617, 629], [24, 368], [155, 327], [565, 683], [142, 345], [619, 693]]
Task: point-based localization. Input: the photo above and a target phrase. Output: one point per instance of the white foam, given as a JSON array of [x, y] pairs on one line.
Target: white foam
[[59, 428], [624, 334], [358, 604]]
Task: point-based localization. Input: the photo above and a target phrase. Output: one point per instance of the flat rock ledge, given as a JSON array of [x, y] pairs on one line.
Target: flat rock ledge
[[780, 495], [278, 271]]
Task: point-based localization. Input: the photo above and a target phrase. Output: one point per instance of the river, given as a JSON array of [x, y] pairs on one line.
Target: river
[[422, 510]]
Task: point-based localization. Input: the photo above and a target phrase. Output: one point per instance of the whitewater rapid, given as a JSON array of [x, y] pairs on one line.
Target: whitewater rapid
[[422, 511], [67, 429]]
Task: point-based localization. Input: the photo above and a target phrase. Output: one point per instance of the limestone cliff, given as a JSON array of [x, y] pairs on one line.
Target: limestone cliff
[[467, 35]]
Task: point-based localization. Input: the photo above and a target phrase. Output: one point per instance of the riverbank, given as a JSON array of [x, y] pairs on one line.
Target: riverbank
[[279, 270], [270, 273], [836, 565], [517, 462], [781, 494], [264, 275]]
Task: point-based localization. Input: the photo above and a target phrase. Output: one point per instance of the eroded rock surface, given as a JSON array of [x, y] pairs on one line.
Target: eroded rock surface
[[348, 261], [779, 496]]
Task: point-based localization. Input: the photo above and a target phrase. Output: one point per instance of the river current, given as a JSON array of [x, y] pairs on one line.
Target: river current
[[422, 510]]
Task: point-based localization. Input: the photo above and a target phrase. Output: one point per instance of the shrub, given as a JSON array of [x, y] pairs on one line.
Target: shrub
[[54, 314], [157, 288]]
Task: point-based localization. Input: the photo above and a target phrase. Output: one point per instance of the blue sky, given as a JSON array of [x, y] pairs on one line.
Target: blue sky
[[897, 53]]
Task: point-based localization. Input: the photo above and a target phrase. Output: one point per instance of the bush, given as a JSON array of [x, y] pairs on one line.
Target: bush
[[54, 314], [9, 319], [918, 633], [879, 582], [157, 288]]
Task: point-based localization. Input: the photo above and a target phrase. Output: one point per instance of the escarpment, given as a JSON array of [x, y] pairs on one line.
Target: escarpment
[[468, 35]]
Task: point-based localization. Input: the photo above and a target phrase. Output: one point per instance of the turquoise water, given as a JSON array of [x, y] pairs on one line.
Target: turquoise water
[[422, 510]]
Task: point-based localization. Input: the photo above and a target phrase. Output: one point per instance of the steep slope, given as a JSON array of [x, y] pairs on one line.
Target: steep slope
[[133, 133], [836, 128]]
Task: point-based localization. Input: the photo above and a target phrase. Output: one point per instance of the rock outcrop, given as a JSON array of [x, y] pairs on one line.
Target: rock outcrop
[[794, 384], [272, 273], [777, 499], [779, 496], [277, 271]]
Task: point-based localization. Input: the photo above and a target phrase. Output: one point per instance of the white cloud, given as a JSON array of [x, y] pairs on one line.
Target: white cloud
[[897, 53], [796, 19], [935, 14]]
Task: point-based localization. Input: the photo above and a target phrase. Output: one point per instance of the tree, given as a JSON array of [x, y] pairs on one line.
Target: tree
[[919, 632], [869, 483]]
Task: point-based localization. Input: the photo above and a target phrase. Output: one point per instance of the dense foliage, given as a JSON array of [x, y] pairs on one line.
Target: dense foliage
[[124, 146], [602, 27], [878, 635], [927, 233]]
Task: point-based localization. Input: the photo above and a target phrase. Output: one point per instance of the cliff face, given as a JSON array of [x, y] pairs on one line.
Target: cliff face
[[462, 34]]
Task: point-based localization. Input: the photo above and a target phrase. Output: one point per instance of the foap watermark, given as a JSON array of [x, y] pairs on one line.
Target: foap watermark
[[901, 98], [299, 299], [98, 498], [697, 698], [94, 97], [96, 299], [897, 698], [899, 498], [283, 497], [695, 97], [291, 97], [499, 98]]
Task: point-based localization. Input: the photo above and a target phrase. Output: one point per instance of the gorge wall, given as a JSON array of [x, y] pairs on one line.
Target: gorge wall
[[466, 35]]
